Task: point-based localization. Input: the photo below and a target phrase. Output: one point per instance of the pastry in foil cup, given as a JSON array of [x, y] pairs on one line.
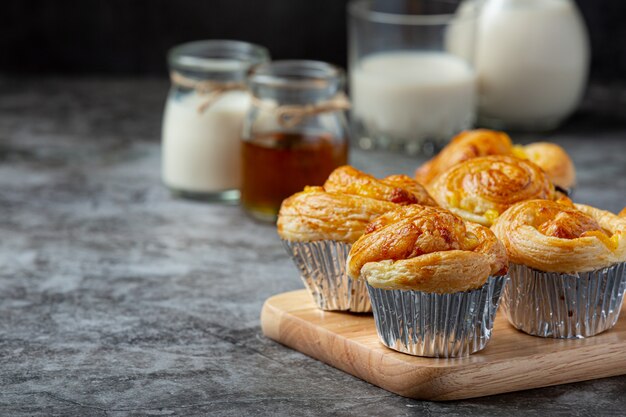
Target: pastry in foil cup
[[436, 325], [322, 266], [552, 304]]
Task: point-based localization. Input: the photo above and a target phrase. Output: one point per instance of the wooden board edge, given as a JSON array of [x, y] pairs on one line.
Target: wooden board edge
[[525, 374], [434, 383], [270, 320]]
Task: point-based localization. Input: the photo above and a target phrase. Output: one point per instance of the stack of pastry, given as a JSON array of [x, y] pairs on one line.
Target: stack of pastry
[[434, 274], [319, 224]]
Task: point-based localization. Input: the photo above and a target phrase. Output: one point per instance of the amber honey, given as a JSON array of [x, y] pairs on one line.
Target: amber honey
[[278, 165]]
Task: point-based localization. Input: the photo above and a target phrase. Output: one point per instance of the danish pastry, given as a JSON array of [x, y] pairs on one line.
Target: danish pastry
[[399, 189], [315, 214], [622, 213], [482, 142], [552, 159], [555, 237], [480, 189], [466, 145], [346, 203], [567, 267], [426, 249]]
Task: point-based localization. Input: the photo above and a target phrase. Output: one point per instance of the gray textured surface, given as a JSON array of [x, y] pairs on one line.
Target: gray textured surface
[[119, 300]]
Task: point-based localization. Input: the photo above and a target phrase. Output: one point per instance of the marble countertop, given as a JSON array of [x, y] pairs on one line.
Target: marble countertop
[[120, 300]]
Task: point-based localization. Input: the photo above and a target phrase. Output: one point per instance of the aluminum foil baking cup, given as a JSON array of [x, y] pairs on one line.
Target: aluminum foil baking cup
[[436, 325], [551, 304], [322, 266]]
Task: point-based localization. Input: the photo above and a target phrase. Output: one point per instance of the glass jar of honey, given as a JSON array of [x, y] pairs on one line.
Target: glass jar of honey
[[295, 133]]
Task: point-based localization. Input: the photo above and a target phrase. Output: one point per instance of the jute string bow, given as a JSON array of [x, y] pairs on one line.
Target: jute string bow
[[209, 88], [289, 116]]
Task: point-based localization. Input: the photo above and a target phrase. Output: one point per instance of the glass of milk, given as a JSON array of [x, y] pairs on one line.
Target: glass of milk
[[412, 79], [203, 118]]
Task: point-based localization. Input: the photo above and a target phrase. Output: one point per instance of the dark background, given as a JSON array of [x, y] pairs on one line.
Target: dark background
[[131, 37]]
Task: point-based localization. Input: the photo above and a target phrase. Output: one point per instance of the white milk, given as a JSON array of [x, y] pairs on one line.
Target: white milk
[[413, 95], [201, 151], [532, 58]]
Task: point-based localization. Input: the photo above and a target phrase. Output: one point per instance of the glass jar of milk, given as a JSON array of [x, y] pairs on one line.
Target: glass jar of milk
[[532, 59], [204, 116], [412, 80]]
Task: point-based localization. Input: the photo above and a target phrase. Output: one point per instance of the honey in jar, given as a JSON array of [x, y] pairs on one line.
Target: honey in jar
[[295, 135], [277, 165]]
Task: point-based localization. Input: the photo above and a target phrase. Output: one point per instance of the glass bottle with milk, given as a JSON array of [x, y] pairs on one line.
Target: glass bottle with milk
[[532, 58], [203, 118], [412, 81]]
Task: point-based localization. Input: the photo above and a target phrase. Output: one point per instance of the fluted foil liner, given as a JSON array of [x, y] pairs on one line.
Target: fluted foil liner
[[322, 266], [436, 325], [572, 306]]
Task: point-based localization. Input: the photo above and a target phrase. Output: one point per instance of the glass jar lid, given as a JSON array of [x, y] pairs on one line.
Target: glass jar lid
[[225, 60], [296, 81]]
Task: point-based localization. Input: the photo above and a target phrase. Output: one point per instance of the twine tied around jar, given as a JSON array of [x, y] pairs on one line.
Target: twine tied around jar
[[211, 89], [289, 116]]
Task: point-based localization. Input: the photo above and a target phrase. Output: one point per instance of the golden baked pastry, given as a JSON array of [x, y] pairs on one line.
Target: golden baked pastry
[[315, 214], [483, 142], [426, 249], [466, 145], [622, 213], [552, 159], [556, 237], [399, 189], [480, 189], [346, 203]]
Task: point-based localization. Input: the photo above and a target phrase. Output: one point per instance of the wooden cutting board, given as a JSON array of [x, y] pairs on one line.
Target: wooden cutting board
[[512, 361]]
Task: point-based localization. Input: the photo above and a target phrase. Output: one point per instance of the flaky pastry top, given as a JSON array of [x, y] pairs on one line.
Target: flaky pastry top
[[464, 146], [480, 189], [399, 189], [346, 203], [315, 214], [427, 249], [550, 157], [622, 213], [557, 237], [553, 159]]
